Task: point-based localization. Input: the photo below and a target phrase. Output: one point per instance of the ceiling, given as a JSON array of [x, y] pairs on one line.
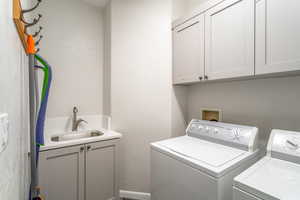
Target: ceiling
[[97, 3]]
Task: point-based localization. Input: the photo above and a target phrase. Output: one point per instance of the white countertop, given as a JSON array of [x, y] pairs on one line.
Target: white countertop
[[108, 135]]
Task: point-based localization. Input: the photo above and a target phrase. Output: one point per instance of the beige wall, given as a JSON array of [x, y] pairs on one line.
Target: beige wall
[[265, 103], [107, 61], [192, 4], [14, 101], [179, 110], [183, 7], [140, 83], [179, 8], [73, 45]]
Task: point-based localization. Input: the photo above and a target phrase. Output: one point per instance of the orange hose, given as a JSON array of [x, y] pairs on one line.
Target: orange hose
[[30, 45]]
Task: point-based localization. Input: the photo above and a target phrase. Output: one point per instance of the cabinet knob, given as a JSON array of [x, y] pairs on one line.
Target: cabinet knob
[[206, 77], [89, 147], [81, 149], [200, 78]]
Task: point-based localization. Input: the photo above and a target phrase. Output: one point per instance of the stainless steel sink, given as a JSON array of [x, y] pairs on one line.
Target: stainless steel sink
[[77, 135]]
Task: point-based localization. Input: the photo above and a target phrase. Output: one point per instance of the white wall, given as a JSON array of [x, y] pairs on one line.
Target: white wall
[[179, 8], [183, 7], [265, 103], [193, 4], [13, 100], [73, 45], [179, 93], [140, 83], [107, 61]]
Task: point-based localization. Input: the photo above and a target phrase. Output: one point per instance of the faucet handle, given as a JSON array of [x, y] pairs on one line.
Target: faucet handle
[[83, 121], [75, 109]]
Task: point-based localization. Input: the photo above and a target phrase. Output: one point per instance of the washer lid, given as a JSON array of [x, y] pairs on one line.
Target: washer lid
[[212, 154], [271, 178]]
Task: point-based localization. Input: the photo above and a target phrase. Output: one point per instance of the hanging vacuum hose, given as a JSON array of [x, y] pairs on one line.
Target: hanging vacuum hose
[[44, 101], [38, 107]]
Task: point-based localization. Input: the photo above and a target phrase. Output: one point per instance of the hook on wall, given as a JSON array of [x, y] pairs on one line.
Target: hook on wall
[[22, 24], [32, 24], [38, 41], [33, 8], [35, 20], [37, 32]]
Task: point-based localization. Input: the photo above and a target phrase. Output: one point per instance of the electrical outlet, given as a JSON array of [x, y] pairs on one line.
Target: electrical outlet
[[3, 131], [211, 114]]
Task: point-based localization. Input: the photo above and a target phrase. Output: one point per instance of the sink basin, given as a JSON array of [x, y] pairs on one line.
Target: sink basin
[[77, 135]]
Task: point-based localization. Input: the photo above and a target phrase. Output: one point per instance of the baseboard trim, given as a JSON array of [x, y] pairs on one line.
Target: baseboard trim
[[135, 195]]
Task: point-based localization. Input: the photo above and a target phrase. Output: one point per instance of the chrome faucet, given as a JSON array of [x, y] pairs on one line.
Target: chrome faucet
[[75, 121]]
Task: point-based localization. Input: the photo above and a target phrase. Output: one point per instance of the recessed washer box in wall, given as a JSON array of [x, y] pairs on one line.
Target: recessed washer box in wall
[[211, 114], [3, 131]]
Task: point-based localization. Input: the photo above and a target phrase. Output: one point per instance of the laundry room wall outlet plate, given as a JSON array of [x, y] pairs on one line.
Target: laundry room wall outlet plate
[[211, 114], [3, 131]]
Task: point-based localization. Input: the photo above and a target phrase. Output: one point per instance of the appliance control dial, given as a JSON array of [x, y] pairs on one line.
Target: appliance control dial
[[200, 127], [216, 131], [293, 143], [207, 129]]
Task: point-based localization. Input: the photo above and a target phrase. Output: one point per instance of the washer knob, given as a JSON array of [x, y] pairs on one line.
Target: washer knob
[[292, 144], [207, 129], [216, 131]]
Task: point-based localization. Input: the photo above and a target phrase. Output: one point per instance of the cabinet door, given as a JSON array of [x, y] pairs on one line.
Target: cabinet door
[[188, 51], [100, 171], [62, 173], [229, 40], [277, 36]]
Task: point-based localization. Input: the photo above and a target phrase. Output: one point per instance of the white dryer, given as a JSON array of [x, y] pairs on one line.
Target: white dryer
[[277, 175], [202, 164]]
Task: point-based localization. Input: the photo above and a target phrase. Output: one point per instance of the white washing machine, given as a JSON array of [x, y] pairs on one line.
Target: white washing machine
[[277, 175], [202, 164]]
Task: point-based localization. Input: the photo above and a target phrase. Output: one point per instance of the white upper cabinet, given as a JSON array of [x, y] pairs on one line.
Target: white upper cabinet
[[229, 39], [277, 36], [188, 51]]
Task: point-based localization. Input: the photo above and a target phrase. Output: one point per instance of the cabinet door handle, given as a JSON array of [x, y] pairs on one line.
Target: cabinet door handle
[[200, 78], [89, 147], [81, 149], [206, 77]]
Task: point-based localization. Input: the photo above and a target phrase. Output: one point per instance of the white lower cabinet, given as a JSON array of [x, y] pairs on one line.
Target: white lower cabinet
[[277, 36], [100, 172], [229, 40], [84, 172]]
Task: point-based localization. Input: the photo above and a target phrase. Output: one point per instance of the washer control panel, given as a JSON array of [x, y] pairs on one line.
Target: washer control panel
[[284, 145], [229, 134]]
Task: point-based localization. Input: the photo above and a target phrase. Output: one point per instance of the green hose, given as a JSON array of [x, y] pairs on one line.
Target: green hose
[[46, 71]]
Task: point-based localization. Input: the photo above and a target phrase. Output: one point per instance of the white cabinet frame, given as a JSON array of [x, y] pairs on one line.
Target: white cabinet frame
[[188, 51], [229, 39]]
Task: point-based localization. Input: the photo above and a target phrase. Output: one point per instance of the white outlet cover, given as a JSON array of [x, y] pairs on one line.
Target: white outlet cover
[[3, 131]]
